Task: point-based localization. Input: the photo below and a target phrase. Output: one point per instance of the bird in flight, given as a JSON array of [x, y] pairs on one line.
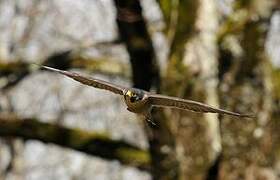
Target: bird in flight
[[141, 102]]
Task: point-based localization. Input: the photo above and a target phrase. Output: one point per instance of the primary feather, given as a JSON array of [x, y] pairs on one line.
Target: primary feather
[[90, 81], [161, 100]]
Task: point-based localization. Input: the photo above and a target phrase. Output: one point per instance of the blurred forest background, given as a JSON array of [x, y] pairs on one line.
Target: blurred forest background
[[220, 52]]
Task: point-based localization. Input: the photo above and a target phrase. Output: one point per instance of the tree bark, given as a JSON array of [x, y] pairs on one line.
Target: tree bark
[[145, 74], [192, 74], [248, 145], [134, 34]]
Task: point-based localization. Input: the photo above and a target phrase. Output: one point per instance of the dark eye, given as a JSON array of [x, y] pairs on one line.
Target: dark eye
[[133, 99]]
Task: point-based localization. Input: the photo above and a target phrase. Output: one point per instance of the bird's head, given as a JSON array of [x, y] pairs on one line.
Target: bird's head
[[133, 95]]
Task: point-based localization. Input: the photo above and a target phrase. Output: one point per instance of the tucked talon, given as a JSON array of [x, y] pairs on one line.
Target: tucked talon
[[150, 120]]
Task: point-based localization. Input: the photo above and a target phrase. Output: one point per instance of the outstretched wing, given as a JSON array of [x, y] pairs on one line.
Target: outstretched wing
[[90, 81], [167, 101]]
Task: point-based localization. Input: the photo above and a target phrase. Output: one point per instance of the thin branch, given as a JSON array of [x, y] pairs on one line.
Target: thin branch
[[17, 71], [96, 144]]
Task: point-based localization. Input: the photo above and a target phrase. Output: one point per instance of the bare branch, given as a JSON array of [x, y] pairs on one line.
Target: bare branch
[[16, 71]]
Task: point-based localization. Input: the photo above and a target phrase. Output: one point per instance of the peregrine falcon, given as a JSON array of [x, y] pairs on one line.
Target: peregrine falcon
[[141, 102]]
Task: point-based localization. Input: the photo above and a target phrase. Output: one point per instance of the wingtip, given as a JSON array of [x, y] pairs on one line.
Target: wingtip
[[43, 67], [251, 116], [49, 68], [52, 69]]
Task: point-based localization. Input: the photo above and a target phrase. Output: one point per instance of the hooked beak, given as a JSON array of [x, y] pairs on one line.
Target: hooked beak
[[129, 93]]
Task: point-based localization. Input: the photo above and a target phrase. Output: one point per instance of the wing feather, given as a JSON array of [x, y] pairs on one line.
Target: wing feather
[[90, 81], [161, 100]]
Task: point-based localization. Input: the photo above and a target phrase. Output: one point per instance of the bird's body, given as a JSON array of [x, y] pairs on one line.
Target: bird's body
[[141, 102], [138, 103]]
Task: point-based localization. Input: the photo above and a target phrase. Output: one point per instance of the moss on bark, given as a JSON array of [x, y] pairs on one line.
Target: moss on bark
[[97, 144]]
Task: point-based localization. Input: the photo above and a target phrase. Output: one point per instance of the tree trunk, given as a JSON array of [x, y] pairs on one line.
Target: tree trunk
[[246, 86]]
